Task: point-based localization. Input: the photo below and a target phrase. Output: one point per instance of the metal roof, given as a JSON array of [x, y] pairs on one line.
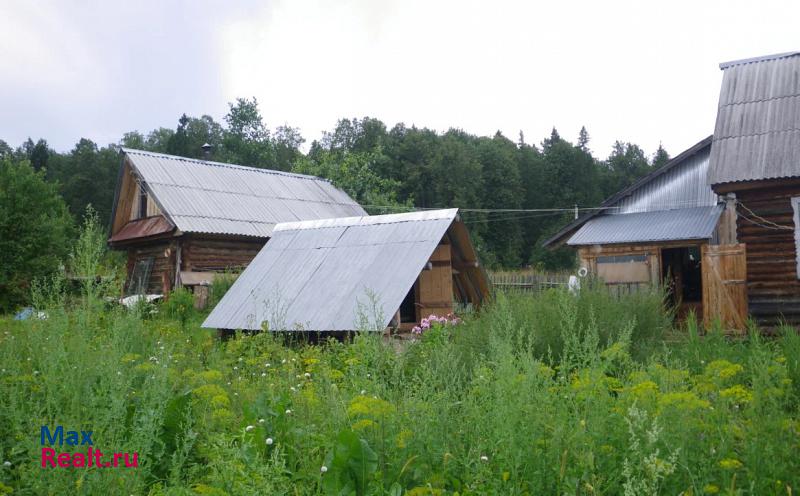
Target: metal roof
[[326, 275], [757, 134], [680, 183], [642, 227], [212, 197]]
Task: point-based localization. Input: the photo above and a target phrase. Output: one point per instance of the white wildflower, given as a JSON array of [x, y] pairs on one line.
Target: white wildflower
[[260, 421], [323, 469], [268, 441], [288, 412], [263, 374], [363, 392], [484, 458], [308, 375], [7, 463], [249, 428]]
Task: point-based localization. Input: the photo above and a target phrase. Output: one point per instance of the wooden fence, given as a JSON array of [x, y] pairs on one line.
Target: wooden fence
[[528, 281], [534, 282]]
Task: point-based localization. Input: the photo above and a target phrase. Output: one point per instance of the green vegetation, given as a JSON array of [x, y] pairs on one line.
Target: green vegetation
[[385, 169], [540, 394], [34, 230]]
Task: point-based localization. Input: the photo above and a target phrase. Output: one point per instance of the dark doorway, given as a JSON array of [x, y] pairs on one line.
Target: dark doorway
[[408, 309], [681, 272]]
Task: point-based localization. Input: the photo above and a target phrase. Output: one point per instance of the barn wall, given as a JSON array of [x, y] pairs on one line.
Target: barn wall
[[434, 288], [200, 254], [163, 272], [772, 286], [588, 256]]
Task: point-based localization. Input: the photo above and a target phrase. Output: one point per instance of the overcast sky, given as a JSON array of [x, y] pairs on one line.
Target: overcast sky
[[644, 72]]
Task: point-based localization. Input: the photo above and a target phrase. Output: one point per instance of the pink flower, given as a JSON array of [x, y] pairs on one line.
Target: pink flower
[[416, 330]]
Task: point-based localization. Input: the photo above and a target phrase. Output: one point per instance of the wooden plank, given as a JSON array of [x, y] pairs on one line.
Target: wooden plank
[[724, 273]]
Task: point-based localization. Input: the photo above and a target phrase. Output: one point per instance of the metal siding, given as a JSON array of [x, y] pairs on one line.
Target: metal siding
[[320, 271], [683, 186], [210, 197], [664, 225], [757, 133]]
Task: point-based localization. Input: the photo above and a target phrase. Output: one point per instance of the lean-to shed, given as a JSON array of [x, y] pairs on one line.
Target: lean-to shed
[[356, 273], [656, 230], [182, 220], [755, 161]]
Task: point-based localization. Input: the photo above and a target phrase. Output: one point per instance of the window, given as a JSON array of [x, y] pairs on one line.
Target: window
[[140, 276], [142, 202], [624, 269], [796, 208], [622, 259]]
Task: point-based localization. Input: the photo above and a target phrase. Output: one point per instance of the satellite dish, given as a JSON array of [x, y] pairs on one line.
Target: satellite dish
[[583, 272]]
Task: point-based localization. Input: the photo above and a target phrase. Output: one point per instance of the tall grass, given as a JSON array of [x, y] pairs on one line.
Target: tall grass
[[550, 394]]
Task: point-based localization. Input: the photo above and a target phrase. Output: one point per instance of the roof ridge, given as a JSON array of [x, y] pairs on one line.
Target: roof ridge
[[222, 164], [368, 220], [762, 58]]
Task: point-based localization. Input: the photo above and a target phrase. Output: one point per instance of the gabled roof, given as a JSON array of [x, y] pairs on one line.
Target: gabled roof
[[757, 134], [665, 188], [326, 275], [210, 197]]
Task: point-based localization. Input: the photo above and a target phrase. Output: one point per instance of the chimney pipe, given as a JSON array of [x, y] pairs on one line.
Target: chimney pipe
[[206, 151]]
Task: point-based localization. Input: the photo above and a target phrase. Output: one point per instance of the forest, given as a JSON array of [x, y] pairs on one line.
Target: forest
[[385, 169]]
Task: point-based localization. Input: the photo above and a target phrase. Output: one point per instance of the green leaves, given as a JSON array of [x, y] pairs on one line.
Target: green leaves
[[350, 465]]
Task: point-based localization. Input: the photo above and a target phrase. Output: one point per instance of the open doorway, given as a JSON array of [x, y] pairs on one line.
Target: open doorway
[[681, 270]]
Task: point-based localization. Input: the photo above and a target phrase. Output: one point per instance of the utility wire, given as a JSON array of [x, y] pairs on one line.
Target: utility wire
[[776, 227]]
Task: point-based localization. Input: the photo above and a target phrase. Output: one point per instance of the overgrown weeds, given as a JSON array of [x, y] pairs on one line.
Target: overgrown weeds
[[555, 394]]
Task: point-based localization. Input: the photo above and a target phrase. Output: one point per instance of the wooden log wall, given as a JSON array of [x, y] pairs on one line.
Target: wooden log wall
[[772, 286], [216, 255], [163, 272]]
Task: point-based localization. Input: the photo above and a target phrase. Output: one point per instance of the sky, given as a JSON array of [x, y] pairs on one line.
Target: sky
[[636, 71]]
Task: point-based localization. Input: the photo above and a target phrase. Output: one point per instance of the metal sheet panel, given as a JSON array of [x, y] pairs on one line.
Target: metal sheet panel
[[325, 275], [683, 186], [643, 227], [210, 197], [757, 134]]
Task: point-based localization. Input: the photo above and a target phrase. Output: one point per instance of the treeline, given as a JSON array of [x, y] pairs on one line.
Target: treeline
[[385, 169]]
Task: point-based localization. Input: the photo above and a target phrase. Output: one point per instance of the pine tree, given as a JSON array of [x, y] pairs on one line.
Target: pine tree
[[661, 157], [583, 139]]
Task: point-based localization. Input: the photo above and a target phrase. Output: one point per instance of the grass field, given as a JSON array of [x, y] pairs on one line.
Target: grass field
[[543, 394]]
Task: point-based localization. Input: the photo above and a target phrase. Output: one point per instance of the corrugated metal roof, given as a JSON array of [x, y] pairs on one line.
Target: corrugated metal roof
[[323, 275], [211, 197], [680, 183], [662, 225], [757, 134]]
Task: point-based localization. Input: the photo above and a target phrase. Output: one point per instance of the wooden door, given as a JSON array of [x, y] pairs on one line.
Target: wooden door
[[435, 285], [725, 286]]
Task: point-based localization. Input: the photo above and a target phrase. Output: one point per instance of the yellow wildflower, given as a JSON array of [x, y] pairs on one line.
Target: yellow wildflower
[[730, 464]]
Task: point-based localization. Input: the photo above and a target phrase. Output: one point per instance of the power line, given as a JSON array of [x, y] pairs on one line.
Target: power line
[[776, 227]]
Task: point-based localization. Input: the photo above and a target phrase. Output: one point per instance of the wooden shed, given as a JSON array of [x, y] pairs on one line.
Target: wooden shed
[[182, 220], [755, 162], [357, 273], [666, 228]]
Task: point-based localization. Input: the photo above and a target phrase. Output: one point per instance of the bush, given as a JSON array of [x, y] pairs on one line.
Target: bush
[[220, 285]]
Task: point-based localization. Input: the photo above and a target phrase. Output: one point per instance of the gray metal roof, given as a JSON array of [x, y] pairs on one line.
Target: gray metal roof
[[324, 275], [680, 183], [643, 227], [212, 197], [757, 134]]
